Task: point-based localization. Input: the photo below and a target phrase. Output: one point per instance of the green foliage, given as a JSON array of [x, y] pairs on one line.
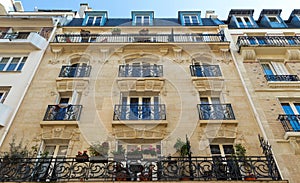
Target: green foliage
[[120, 151], [99, 149], [181, 147], [240, 150], [19, 150]]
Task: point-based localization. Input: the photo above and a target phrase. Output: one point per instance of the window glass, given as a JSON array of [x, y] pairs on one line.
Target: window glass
[[138, 20], [98, 21], [13, 64], [22, 64], [267, 69], [194, 19], [146, 20], [273, 19], [90, 21], [3, 62]]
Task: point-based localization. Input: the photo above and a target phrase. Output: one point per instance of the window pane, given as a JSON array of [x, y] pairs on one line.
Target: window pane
[[98, 20], [215, 149], [138, 20], [90, 21], [146, 20], [287, 108], [3, 62], [50, 150], [186, 19], [273, 19], [22, 64], [228, 149], [267, 69], [204, 100], [215, 100], [1, 96], [297, 105], [13, 64], [194, 19], [62, 151]]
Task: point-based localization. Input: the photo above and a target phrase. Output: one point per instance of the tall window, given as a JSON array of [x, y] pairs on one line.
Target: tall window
[[191, 19], [12, 63], [3, 93], [276, 71], [142, 20], [292, 110], [94, 20]]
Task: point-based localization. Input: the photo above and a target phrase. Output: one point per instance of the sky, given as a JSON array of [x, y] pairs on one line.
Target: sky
[[167, 8]]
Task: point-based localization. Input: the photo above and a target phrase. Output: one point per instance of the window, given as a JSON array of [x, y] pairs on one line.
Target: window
[[210, 100], [191, 20], [221, 150], [292, 112], [276, 71], [153, 149], [273, 19], [244, 22], [56, 150], [142, 20], [94, 20], [140, 70], [12, 63], [205, 70], [3, 93]]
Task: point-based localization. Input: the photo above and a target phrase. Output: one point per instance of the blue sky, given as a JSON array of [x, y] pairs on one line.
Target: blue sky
[[167, 8]]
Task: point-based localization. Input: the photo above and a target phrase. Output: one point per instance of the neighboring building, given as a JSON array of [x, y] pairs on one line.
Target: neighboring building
[[140, 84], [266, 53]]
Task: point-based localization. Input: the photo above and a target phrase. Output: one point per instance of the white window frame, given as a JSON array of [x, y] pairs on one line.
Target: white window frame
[[221, 147], [291, 103], [243, 20], [190, 19], [94, 20], [210, 99], [142, 19], [10, 60], [4, 92], [276, 18], [277, 67]]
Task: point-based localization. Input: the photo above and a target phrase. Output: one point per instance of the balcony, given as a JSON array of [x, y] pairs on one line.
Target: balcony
[[268, 41], [290, 123], [140, 112], [63, 112], [215, 112], [21, 41], [75, 71], [205, 71], [138, 38], [283, 78], [140, 71], [160, 169]]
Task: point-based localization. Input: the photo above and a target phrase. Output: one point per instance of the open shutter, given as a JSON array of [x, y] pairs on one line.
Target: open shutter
[[280, 68]]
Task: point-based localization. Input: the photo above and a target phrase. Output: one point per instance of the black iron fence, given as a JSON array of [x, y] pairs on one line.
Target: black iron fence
[[268, 41], [290, 122], [215, 112], [140, 71], [140, 112], [75, 71], [15, 35], [63, 112], [205, 70], [132, 38], [161, 169], [282, 77]]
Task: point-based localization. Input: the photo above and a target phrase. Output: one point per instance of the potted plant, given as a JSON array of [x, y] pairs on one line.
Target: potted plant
[[99, 152], [240, 152], [82, 157], [135, 154], [144, 31], [149, 152], [115, 31], [183, 149], [119, 154]]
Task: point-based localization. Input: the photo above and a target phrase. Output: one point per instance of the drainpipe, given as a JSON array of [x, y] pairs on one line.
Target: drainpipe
[[257, 117], [28, 84]]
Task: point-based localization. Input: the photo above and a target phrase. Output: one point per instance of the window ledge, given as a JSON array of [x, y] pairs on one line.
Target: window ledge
[[219, 121], [140, 122], [286, 84], [289, 135], [55, 123]]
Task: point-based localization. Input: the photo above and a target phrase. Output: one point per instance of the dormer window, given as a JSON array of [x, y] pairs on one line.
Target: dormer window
[[273, 19], [244, 22], [191, 20], [142, 20], [93, 20]]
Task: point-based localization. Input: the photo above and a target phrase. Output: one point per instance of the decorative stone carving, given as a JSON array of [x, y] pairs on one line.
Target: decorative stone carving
[[208, 84], [56, 52], [293, 54], [248, 54], [141, 85], [177, 54], [226, 57]]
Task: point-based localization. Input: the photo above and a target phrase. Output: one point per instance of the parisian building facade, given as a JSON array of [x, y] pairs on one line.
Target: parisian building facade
[[159, 99]]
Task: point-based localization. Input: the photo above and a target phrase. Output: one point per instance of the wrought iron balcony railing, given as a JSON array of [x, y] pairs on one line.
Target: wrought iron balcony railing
[[140, 71], [290, 123], [63, 112], [161, 169], [133, 38], [140, 112], [205, 70], [268, 41], [282, 77], [73, 71], [216, 112], [15, 35]]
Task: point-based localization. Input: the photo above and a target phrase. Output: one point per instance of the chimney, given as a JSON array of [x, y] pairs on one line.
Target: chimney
[[210, 14], [18, 6], [82, 9]]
